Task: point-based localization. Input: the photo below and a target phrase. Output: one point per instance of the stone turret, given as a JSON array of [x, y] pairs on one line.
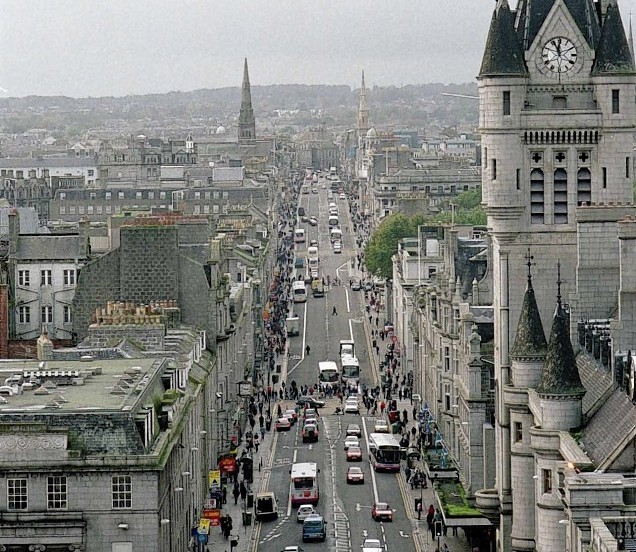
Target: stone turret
[[528, 356]]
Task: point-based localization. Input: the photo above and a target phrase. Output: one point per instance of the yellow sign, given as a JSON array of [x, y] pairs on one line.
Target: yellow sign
[[214, 479], [204, 526]]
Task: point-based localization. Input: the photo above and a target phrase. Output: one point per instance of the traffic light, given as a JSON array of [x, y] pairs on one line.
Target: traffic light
[[438, 529]]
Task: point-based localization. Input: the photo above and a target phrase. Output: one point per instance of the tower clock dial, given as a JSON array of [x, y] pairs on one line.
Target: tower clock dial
[[559, 55]]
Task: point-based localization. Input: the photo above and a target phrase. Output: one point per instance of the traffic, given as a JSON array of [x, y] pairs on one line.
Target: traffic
[[336, 452]]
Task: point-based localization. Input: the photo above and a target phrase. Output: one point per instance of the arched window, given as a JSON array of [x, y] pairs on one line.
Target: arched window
[[537, 199], [584, 187], [560, 196]]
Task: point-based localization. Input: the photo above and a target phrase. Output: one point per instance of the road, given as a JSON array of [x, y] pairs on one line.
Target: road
[[347, 508]]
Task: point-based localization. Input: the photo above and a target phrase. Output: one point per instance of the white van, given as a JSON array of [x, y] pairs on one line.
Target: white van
[[335, 235], [299, 235]]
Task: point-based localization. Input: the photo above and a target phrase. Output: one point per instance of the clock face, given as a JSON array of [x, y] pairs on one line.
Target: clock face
[[559, 55]]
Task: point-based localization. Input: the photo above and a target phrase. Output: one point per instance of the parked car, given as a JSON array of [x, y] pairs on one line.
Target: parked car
[[299, 262], [351, 442], [381, 426], [283, 424], [304, 510], [354, 429], [355, 475], [354, 454], [381, 511], [306, 400]]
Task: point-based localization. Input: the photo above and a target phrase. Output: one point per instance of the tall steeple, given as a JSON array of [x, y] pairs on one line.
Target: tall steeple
[[246, 122], [363, 111], [630, 40]]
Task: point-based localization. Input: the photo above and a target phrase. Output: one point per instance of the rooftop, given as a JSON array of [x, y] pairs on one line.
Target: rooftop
[[74, 386]]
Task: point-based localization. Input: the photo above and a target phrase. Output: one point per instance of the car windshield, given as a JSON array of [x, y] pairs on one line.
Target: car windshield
[[353, 427], [316, 523], [382, 506], [354, 449], [371, 543]]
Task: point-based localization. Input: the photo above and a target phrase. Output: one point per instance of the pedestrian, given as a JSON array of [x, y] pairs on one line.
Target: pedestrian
[[430, 516], [445, 548], [307, 349], [419, 510], [243, 490], [236, 493], [335, 312], [256, 443], [405, 415], [224, 494]]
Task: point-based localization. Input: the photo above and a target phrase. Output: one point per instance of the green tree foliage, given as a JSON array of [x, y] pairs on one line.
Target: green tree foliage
[[383, 243]]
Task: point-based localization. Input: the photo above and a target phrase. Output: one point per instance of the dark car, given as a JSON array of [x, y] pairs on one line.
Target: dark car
[[299, 262], [310, 402]]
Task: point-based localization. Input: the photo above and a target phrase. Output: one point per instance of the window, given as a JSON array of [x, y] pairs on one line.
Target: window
[[493, 174], [46, 314], [99, 209], [162, 195], [80, 210], [17, 494], [91, 172], [56, 493], [537, 202], [518, 432], [45, 277], [518, 179], [67, 314], [108, 195], [122, 491], [62, 210], [24, 315], [69, 277], [627, 163], [62, 196], [560, 196], [120, 195], [547, 481], [138, 195], [109, 209], [89, 209], [151, 195], [616, 101], [24, 278], [71, 209], [506, 102], [604, 177], [583, 187]]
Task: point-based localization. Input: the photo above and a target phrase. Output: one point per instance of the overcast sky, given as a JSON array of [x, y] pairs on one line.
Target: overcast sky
[[119, 47]]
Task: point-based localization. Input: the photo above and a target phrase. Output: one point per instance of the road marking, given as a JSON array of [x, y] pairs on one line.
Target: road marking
[[403, 535], [351, 328], [373, 481], [347, 297]]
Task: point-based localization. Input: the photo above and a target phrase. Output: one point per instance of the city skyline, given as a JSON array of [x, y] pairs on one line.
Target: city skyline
[[76, 49]]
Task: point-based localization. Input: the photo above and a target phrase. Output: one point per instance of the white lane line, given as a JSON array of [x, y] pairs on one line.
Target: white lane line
[[347, 296], [373, 481], [350, 329], [302, 352], [289, 504]]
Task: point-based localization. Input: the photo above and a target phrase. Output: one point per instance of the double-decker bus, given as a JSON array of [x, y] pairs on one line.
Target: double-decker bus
[[385, 452], [328, 373], [304, 483]]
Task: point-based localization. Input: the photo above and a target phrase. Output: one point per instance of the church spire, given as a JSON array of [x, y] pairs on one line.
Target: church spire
[[503, 54], [614, 54], [246, 122], [363, 111], [631, 40]]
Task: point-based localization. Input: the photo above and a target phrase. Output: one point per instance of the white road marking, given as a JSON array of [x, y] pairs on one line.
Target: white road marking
[[373, 481], [347, 297]]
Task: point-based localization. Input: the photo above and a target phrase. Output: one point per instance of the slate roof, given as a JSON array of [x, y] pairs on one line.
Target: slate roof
[[533, 13], [530, 338], [560, 375], [596, 380], [609, 427], [503, 54], [49, 247], [613, 54]]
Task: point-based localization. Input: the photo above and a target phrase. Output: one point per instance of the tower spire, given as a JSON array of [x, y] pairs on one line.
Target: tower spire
[[363, 111], [631, 39], [246, 122]]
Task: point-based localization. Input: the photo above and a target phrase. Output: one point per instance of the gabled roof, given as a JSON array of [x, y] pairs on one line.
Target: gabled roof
[[613, 54], [533, 13], [503, 54], [50, 247]]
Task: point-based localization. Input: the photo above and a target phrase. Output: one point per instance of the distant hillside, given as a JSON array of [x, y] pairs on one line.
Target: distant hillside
[[412, 104]]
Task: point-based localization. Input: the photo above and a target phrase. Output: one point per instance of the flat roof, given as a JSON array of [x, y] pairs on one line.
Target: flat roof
[[73, 386]]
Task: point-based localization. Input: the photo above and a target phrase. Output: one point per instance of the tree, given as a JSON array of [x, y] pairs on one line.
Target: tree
[[383, 243]]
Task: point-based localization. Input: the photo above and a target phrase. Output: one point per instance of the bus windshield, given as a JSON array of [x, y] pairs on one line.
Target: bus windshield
[[303, 483]]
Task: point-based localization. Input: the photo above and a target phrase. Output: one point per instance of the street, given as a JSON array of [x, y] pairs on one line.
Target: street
[[346, 508]]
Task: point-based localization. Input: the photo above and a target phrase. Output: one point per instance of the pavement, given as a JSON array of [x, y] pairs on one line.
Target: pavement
[[422, 537], [263, 460]]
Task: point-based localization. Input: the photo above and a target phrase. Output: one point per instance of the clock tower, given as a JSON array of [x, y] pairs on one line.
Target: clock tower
[[557, 121]]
